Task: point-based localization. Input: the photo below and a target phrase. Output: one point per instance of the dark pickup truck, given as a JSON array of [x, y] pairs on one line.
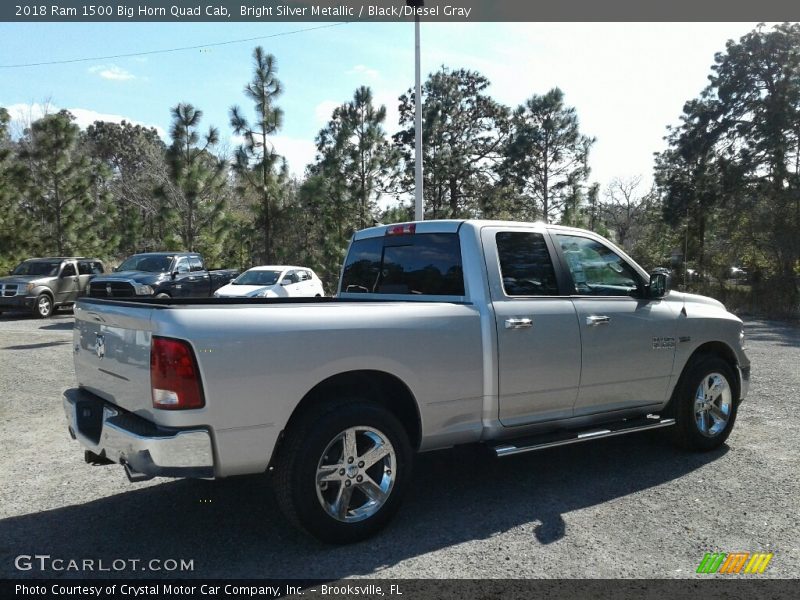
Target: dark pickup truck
[[162, 275]]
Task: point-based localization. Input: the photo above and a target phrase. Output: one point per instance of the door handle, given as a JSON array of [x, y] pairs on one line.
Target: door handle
[[595, 320], [519, 323]]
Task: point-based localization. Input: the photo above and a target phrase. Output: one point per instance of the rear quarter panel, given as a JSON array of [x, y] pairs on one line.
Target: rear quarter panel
[[258, 362]]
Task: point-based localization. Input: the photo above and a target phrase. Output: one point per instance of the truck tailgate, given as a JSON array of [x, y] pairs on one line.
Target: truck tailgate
[[111, 345]]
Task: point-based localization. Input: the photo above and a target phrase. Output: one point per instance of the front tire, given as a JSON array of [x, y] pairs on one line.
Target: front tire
[[706, 404], [342, 471], [43, 307]]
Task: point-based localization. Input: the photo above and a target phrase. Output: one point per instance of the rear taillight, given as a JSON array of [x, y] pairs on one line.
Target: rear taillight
[[174, 377]]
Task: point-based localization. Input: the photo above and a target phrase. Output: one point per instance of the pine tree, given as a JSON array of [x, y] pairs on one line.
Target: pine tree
[[197, 185], [61, 186], [255, 160], [546, 157]]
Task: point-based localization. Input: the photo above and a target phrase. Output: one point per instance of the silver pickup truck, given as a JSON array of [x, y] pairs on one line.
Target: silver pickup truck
[[514, 335]]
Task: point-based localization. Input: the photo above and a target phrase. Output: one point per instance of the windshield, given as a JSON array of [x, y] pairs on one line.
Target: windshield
[[143, 262], [257, 278], [37, 268]]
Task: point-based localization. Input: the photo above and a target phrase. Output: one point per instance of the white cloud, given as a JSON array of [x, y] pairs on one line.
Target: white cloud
[[112, 72], [324, 110], [365, 72], [299, 152], [25, 114]]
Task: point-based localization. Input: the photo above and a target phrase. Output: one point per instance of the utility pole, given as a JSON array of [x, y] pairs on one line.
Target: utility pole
[[419, 204]]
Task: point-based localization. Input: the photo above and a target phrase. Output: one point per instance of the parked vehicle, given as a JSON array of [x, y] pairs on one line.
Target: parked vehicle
[[517, 336], [161, 275], [41, 285], [273, 282]]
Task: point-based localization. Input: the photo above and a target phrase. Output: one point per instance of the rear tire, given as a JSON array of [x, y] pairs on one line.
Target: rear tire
[[342, 470], [705, 404], [163, 296], [43, 307]]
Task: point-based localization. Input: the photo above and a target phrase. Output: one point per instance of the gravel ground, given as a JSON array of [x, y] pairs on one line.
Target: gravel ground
[[625, 507]]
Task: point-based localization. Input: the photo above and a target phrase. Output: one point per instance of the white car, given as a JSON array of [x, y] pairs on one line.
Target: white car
[[272, 281]]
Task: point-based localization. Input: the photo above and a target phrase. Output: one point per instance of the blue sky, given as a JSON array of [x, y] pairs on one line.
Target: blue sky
[[628, 81]]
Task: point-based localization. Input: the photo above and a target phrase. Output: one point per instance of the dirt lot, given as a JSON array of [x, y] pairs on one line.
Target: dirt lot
[[626, 507]]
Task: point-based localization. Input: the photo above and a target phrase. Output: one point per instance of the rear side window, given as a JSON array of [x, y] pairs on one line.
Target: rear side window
[[427, 263], [525, 265]]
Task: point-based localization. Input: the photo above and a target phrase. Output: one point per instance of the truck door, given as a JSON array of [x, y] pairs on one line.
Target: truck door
[[539, 346], [84, 275], [181, 286], [67, 284], [198, 281], [628, 341]]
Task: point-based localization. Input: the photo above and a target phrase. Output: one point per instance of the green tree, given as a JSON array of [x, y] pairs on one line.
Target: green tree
[[546, 157], [196, 187], [16, 230], [136, 158], [355, 153], [63, 188], [255, 160], [734, 162], [464, 131]]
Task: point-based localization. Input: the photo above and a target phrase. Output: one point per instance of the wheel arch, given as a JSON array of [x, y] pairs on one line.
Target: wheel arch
[[714, 348], [383, 388]]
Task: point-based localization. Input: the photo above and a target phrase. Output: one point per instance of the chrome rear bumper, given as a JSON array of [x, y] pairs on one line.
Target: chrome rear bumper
[[139, 445]]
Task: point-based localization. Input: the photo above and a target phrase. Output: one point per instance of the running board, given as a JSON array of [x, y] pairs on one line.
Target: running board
[[563, 438]]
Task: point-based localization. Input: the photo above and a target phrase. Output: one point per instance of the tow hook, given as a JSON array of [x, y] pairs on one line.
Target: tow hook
[[135, 476]]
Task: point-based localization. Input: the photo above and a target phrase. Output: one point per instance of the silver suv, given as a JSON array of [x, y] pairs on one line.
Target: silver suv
[[41, 285]]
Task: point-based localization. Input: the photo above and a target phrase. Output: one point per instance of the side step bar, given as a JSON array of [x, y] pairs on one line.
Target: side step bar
[[563, 438]]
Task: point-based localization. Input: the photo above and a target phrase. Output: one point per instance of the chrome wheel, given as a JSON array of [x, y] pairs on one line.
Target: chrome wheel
[[713, 402], [356, 474], [44, 305]]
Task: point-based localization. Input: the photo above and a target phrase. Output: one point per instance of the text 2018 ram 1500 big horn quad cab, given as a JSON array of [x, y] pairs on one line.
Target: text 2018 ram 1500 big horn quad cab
[[518, 336]]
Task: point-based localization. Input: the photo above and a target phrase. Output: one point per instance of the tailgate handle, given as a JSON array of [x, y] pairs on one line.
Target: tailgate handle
[[519, 323]]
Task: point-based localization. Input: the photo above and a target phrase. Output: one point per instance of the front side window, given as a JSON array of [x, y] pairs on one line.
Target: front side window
[[596, 269], [525, 265], [68, 270], [419, 264], [195, 264], [182, 265]]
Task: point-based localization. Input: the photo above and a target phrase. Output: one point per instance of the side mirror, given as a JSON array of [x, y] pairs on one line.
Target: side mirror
[[232, 279], [115, 269], [660, 285]]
